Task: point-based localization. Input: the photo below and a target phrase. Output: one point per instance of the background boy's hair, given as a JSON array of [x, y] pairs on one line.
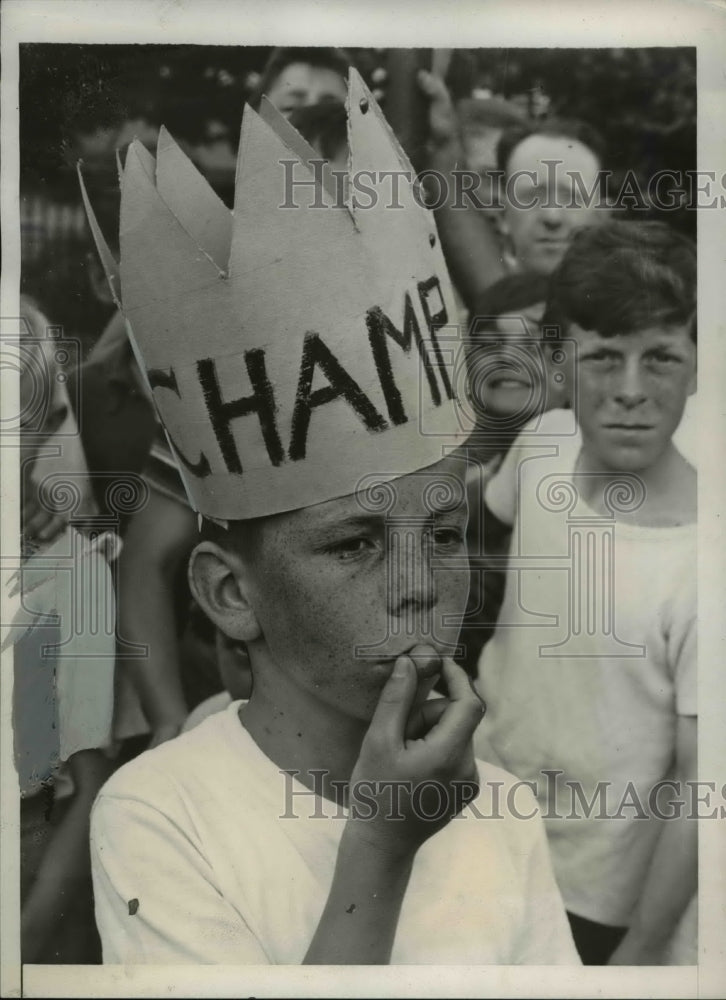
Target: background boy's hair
[[560, 128], [620, 277], [280, 58], [506, 297]]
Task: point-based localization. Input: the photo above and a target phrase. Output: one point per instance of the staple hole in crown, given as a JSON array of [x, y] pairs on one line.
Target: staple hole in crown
[[363, 105], [432, 239]]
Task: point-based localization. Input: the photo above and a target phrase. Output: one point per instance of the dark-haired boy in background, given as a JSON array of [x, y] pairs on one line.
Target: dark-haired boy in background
[[596, 704]]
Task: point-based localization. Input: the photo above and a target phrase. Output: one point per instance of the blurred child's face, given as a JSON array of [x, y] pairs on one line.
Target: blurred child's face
[[630, 393], [343, 588], [544, 204], [43, 402], [300, 85], [508, 369]]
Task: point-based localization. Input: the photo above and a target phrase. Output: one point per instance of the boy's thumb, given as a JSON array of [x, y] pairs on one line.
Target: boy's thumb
[[396, 700]]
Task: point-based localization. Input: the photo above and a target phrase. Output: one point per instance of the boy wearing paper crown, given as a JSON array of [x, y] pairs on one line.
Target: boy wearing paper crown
[[296, 357]]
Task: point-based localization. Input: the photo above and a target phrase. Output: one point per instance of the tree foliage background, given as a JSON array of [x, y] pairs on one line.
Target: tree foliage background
[[641, 100], [80, 100]]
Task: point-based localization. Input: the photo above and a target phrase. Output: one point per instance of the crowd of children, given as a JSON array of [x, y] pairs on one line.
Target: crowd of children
[[304, 650]]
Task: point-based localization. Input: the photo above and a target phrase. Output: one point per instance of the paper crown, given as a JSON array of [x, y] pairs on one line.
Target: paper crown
[[295, 345]]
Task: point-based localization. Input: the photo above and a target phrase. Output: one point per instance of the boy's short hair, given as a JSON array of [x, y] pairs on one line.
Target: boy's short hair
[[620, 277], [506, 297], [280, 58], [560, 128], [241, 537]]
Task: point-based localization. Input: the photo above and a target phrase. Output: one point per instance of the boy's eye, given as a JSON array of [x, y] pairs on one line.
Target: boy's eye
[[349, 548], [448, 537], [600, 359], [664, 359]]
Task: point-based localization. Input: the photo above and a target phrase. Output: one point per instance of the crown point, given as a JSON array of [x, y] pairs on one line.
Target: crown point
[[275, 381], [191, 199]]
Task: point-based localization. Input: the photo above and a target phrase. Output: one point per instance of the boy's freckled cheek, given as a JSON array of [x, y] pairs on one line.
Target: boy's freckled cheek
[[453, 591], [316, 609]]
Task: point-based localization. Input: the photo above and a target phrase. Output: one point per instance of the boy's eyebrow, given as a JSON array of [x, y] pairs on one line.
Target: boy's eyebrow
[[366, 519], [457, 503], [345, 523]]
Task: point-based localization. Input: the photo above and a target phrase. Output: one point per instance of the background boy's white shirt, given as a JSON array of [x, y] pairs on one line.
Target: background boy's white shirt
[[65, 619], [64, 661], [604, 717], [192, 831]]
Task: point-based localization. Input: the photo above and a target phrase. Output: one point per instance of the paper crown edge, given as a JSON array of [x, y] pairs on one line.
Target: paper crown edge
[[296, 142], [356, 82], [167, 151], [136, 175], [110, 265]]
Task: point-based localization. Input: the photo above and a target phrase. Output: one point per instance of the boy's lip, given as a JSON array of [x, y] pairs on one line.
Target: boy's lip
[[424, 668], [629, 427], [506, 375], [552, 242], [509, 381]]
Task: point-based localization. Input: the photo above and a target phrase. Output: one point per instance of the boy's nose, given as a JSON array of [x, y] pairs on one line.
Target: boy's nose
[[630, 388], [411, 584], [553, 215]]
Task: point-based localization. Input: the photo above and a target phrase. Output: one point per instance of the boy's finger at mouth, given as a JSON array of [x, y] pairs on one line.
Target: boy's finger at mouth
[[426, 660]]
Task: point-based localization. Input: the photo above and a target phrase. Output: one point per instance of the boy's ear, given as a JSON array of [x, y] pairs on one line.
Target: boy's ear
[[220, 582]]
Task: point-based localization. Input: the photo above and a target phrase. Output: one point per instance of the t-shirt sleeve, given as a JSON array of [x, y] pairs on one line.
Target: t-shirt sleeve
[[545, 937], [554, 428], [155, 894], [683, 651]]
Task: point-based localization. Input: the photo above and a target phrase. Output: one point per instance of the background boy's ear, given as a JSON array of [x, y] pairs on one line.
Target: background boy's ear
[[219, 581]]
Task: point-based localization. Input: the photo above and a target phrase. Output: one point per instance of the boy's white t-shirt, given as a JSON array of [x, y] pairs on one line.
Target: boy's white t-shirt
[[204, 852], [593, 657]]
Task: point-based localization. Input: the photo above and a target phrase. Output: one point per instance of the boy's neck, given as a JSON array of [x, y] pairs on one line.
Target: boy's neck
[[299, 734], [670, 490]]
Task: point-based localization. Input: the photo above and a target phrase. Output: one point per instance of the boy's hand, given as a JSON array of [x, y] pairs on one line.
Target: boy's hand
[[416, 766], [41, 524], [444, 128]]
